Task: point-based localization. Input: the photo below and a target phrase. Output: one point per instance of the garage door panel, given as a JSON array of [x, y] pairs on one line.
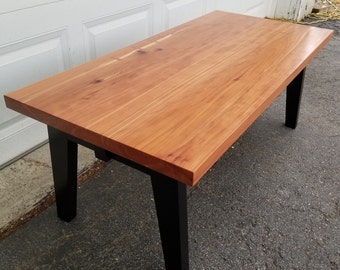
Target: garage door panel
[[22, 63], [256, 8], [9, 6], [91, 10], [180, 11], [232, 6], [33, 22], [39, 38], [26, 133], [253, 7], [28, 61], [115, 31]]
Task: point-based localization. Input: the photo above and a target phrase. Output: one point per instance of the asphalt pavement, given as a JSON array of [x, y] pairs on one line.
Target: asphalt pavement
[[271, 202]]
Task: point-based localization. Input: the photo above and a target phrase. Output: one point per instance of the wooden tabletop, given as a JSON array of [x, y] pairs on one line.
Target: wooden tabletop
[[176, 101]]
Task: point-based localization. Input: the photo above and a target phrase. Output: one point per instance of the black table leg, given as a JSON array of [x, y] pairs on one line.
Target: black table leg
[[171, 205], [294, 93], [64, 154]]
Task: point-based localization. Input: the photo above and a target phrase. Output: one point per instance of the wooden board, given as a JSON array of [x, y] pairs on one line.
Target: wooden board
[[176, 101]]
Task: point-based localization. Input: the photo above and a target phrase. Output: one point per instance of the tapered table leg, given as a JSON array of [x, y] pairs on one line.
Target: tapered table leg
[[171, 205], [294, 93], [64, 165]]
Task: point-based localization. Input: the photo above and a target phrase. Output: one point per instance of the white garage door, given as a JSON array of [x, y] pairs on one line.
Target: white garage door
[[39, 38]]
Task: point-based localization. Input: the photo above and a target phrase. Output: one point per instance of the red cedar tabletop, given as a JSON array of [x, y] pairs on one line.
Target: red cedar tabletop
[[176, 101]]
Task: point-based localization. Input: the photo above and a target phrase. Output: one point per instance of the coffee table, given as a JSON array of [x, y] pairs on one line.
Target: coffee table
[[170, 106]]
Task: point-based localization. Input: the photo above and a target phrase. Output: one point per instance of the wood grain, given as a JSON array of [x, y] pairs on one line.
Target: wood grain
[[176, 101]]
